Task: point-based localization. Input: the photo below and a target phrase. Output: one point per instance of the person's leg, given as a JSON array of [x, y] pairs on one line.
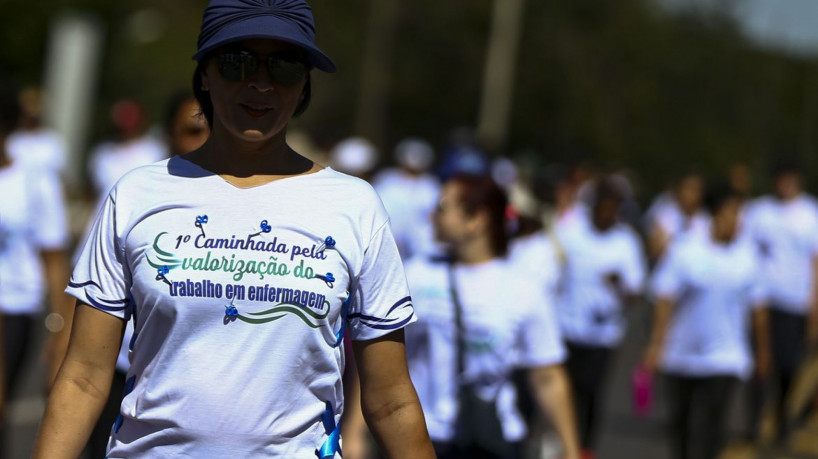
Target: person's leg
[[586, 368], [680, 397], [445, 450], [788, 333], [712, 398], [16, 347], [16, 350]]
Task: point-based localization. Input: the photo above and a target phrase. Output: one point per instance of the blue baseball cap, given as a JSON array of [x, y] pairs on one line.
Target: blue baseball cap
[[291, 21]]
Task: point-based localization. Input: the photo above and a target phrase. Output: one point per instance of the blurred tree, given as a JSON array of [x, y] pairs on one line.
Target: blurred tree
[[617, 83]]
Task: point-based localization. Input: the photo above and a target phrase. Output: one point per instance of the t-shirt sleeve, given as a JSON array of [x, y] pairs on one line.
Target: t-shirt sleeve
[[100, 278], [380, 302], [667, 279], [634, 269], [758, 290], [51, 232], [539, 339]]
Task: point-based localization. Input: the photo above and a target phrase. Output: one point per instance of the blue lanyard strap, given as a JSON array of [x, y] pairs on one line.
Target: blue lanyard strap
[[332, 444]]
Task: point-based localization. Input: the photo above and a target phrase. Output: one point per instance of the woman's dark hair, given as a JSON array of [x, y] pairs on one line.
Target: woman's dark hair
[[203, 97], [481, 193], [9, 107], [720, 194], [608, 189]]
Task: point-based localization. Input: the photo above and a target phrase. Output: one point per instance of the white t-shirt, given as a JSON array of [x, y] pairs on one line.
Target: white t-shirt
[[588, 307], [787, 237], [410, 201], [111, 160], [32, 219], [237, 350], [536, 256], [509, 323], [665, 213], [714, 288], [40, 149]]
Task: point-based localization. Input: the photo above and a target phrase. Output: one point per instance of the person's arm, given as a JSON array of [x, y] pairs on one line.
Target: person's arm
[[61, 310], [661, 317], [82, 384], [657, 241], [389, 402], [761, 336], [353, 429], [552, 390], [812, 314]]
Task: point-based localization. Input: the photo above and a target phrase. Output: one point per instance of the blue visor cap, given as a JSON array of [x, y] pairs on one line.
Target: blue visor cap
[[227, 21]]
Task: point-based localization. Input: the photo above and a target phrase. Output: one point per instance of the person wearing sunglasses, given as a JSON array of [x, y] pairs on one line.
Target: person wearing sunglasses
[[243, 266]]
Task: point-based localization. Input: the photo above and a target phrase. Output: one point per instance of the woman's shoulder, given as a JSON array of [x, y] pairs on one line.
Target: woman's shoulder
[[143, 177], [348, 184]]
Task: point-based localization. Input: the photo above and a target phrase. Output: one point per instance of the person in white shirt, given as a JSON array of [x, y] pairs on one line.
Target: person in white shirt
[[32, 144], [709, 290], [132, 148], [480, 318], [675, 212], [784, 226], [33, 264], [243, 265], [604, 270], [410, 194]]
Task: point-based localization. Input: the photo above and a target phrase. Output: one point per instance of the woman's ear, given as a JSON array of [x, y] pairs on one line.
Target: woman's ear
[[479, 222]]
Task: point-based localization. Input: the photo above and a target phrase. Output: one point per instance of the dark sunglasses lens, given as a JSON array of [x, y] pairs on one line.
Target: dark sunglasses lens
[[237, 66], [286, 72]]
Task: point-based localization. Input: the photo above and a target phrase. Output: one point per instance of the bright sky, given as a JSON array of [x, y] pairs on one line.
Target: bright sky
[[787, 25]]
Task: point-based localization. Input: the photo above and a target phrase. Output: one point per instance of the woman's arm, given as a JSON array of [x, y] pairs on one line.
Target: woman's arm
[[82, 384], [761, 335], [551, 389], [61, 310], [812, 313], [389, 402], [661, 317]]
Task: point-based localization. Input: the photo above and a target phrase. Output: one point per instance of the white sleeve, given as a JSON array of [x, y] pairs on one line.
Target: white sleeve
[[758, 294], [667, 279], [101, 278], [539, 339], [49, 205], [380, 301], [634, 269]]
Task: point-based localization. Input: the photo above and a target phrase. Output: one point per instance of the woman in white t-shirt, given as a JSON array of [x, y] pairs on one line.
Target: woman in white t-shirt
[[675, 213], [603, 271], [479, 319], [709, 289], [33, 265], [243, 265]]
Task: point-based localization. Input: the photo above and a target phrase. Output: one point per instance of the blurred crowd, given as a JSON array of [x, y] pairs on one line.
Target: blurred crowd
[[731, 277]]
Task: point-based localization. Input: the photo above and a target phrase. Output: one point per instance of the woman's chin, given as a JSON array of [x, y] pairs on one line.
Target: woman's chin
[[253, 134]]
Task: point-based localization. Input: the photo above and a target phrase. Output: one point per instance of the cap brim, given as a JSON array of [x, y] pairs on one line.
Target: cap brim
[[271, 28]]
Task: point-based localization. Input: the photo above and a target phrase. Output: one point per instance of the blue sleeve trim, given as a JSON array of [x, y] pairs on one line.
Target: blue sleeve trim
[[396, 326], [73, 284], [400, 303]]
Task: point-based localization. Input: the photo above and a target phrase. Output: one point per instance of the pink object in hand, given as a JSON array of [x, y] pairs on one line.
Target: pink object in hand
[[642, 380]]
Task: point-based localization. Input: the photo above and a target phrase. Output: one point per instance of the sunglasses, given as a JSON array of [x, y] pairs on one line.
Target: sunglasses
[[285, 68]]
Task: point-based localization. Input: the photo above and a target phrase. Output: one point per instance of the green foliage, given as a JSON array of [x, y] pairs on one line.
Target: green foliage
[[619, 83]]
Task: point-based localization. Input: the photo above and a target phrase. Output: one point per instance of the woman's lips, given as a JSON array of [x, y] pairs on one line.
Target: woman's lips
[[257, 110]]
